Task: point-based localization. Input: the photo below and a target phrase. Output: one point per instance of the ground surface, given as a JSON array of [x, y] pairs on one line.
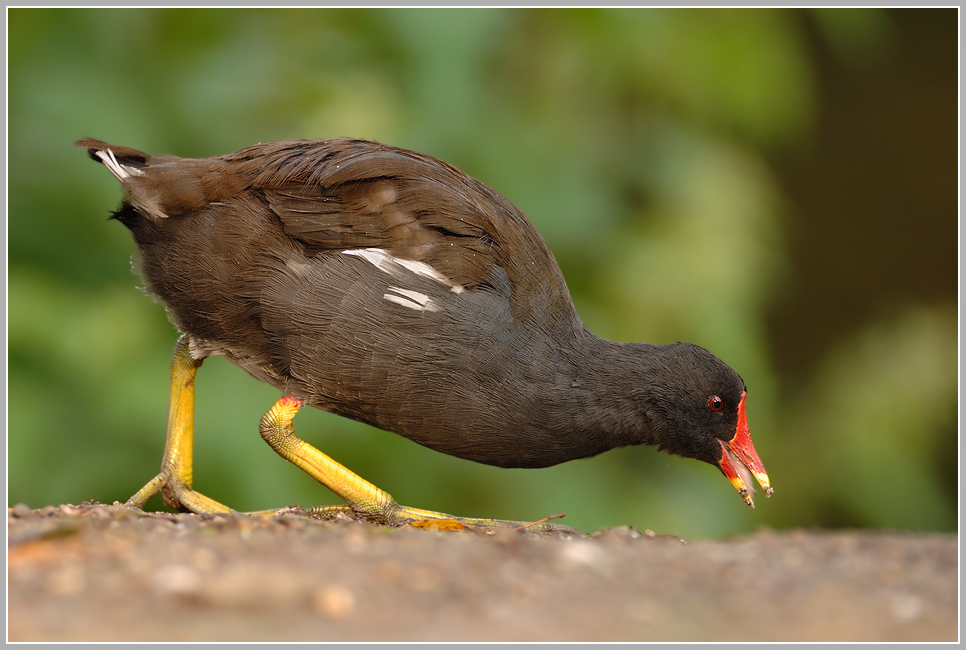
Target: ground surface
[[109, 573]]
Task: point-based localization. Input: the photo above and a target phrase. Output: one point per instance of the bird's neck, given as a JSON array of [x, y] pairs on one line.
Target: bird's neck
[[600, 397]]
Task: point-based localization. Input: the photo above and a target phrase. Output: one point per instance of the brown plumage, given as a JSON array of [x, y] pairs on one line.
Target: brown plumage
[[389, 287]]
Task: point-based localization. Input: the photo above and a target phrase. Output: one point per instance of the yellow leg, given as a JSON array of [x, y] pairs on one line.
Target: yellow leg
[[174, 480], [363, 498]]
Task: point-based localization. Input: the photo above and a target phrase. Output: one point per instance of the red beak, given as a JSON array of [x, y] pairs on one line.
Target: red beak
[[739, 457]]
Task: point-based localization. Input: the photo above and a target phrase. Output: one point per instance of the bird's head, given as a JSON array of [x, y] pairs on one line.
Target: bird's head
[[700, 414]]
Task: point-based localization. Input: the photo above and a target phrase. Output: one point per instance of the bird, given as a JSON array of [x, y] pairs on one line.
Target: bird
[[389, 287]]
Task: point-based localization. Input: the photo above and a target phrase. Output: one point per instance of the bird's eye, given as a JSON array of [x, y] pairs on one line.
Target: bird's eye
[[716, 403]]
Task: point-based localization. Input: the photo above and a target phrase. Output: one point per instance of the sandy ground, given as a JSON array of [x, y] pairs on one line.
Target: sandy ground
[[109, 573]]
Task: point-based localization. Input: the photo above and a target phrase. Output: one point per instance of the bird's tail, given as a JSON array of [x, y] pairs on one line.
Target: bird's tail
[[123, 162]]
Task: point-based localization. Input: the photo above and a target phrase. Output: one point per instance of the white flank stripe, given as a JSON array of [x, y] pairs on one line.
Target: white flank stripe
[[411, 299], [375, 256], [394, 266], [421, 268]]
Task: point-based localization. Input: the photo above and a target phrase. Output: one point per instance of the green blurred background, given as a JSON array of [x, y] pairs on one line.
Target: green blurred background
[[779, 186]]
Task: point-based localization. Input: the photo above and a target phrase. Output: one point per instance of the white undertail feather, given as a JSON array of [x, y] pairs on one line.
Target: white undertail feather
[[120, 171]]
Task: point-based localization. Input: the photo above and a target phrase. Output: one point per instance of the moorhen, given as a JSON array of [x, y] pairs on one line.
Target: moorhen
[[389, 287]]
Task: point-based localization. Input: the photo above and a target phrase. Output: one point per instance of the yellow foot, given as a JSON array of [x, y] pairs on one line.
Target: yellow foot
[[178, 495], [396, 515]]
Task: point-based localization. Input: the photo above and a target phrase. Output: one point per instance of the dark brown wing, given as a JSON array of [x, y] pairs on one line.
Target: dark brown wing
[[336, 195], [344, 194]]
